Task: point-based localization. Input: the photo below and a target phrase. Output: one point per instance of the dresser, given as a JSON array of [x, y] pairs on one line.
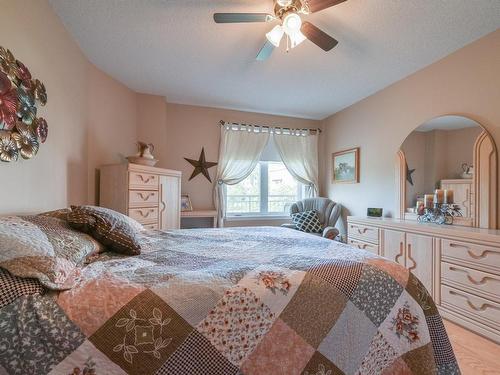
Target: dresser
[[147, 194], [459, 266]]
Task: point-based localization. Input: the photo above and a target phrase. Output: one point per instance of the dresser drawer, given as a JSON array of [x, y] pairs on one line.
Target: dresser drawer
[[482, 283], [363, 245], [143, 198], [477, 256], [477, 308], [363, 233], [143, 181], [144, 215], [150, 226]]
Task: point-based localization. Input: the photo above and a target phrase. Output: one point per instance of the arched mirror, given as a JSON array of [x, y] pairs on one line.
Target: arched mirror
[[453, 155]]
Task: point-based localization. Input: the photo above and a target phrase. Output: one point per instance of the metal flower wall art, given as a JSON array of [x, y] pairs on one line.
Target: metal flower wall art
[[21, 131]]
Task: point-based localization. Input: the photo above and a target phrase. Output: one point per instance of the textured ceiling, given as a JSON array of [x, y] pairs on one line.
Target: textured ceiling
[[174, 49]]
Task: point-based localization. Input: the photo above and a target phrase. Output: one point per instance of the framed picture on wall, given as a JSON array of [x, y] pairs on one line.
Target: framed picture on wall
[[186, 203], [345, 166]]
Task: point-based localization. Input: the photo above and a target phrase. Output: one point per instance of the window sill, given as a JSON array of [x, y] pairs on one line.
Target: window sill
[[257, 217]]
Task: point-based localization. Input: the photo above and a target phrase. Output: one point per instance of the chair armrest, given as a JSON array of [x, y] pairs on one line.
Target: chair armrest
[[330, 233], [289, 226]]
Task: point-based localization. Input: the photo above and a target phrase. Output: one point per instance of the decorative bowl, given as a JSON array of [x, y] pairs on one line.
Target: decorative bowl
[[142, 161]]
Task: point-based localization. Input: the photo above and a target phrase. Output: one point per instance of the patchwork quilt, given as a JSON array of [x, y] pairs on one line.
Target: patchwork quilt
[[227, 302]]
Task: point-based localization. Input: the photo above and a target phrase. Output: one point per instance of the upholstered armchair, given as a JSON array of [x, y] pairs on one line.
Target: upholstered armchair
[[328, 214]]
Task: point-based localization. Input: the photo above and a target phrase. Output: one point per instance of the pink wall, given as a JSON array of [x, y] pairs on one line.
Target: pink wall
[[112, 119], [151, 125], [91, 117], [466, 83], [189, 128]]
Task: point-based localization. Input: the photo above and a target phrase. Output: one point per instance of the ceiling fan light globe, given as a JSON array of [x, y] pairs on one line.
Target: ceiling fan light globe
[[284, 3], [296, 38], [292, 23], [275, 35]]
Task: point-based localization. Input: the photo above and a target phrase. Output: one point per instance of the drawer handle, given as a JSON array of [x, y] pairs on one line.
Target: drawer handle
[[401, 250], [470, 278], [410, 258], [483, 307], [475, 282], [475, 256], [470, 252], [145, 197], [147, 179], [362, 230], [145, 215]]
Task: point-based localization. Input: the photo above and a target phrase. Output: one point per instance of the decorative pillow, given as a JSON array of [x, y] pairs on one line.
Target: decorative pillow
[[62, 214], [13, 287], [307, 221], [44, 248], [59, 214], [113, 229]]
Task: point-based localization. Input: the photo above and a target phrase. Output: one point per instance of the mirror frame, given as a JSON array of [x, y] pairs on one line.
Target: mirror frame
[[485, 160]]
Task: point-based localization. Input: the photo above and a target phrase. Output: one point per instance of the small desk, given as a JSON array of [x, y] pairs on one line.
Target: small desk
[[203, 214]]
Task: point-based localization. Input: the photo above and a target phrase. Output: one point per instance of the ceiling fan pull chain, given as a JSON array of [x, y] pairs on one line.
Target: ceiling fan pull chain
[[287, 43]]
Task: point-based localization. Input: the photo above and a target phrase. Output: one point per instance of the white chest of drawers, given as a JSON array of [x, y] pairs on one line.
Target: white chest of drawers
[[147, 194]]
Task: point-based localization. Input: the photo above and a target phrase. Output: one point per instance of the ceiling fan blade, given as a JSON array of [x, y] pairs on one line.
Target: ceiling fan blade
[[317, 5], [242, 17], [318, 37], [265, 52]]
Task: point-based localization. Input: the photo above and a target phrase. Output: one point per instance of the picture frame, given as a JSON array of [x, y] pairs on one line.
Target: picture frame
[[345, 166], [186, 204]]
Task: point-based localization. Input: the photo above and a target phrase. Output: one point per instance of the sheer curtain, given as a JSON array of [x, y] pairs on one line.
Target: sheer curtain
[[239, 153], [299, 152]]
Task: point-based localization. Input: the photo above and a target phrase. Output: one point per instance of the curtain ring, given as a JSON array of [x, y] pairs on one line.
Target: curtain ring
[[220, 182]]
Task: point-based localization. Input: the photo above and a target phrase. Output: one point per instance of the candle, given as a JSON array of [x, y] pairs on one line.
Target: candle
[[439, 193], [448, 196], [429, 200]]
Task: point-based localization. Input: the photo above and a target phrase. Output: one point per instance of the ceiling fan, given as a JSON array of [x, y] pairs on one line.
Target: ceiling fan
[[287, 12]]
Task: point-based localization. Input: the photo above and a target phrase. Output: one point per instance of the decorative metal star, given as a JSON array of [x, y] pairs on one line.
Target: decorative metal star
[[409, 173], [201, 166]]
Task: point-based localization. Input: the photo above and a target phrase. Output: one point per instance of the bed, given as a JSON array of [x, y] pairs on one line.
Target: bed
[[263, 300]]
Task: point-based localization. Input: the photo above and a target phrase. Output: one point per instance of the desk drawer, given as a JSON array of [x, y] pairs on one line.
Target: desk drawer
[[143, 198], [477, 308], [143, 181], [363, 245], [482, 283], [486, 258], [148, 215], [363, 233]]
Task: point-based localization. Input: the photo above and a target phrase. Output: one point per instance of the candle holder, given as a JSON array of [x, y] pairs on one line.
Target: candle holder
[[441, 213]]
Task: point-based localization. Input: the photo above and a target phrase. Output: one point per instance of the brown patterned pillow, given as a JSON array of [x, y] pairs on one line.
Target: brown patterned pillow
[[59, 214], [13, 287], [111, 228]]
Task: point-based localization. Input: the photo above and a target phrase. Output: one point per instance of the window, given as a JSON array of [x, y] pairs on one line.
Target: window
[[269, 190]]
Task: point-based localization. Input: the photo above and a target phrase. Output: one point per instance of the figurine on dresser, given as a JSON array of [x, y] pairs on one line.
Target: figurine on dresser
[[144, 155]]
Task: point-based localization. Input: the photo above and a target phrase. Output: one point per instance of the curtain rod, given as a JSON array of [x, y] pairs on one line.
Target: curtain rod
[[222, 122]]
